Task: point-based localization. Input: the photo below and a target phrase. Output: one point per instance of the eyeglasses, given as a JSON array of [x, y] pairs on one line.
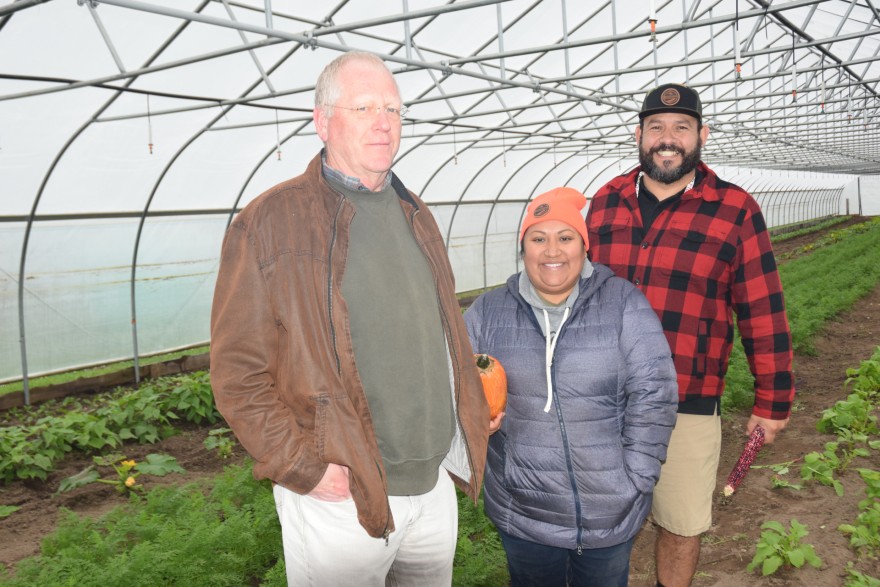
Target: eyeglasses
[[370, 111]]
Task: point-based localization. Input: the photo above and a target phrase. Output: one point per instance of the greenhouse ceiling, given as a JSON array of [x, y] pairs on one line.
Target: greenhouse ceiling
[[788, 85]]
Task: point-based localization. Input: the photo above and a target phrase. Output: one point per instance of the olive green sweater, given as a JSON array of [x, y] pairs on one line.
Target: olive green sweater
[[398, 341]]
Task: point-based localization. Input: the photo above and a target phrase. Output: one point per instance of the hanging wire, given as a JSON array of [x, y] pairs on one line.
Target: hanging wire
[[277, 136], [822, 93], [503, 151], [793, 70], [149, 127], [454, 148], [652, 19], [737, 59], [848, 101]]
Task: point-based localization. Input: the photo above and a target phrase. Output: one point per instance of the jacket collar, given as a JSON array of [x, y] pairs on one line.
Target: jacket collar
[[316, 167], [705, 188]]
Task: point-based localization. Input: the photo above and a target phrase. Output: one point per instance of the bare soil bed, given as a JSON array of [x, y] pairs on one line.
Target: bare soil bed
[[727, 548]]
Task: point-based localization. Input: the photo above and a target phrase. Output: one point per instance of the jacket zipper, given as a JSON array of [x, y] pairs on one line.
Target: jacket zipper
[[566, 447], [330, 281], [386, 532]]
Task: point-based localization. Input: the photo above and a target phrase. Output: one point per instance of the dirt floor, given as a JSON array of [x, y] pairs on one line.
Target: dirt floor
[[727, 548]]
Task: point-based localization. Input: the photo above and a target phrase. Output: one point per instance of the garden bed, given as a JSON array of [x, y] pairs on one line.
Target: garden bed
[[729, 546]]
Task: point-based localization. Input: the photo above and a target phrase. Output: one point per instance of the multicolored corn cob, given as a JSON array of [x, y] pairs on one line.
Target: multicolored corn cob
[[753, 445]]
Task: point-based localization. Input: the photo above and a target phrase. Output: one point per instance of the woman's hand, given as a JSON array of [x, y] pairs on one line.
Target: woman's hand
[[495, 423]]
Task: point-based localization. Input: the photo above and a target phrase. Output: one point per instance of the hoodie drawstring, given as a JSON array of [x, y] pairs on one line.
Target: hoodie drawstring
[[549, 349]]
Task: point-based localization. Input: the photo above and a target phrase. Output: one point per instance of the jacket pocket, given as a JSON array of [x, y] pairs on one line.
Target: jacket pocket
[[609, 498], [609, 243], [693, 255], [339, 435], [340, 438]]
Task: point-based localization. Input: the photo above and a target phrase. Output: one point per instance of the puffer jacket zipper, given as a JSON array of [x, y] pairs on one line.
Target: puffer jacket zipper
[[567, 448], [568, 464]]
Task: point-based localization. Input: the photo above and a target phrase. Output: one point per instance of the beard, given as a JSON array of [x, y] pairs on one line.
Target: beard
[[665, 173]]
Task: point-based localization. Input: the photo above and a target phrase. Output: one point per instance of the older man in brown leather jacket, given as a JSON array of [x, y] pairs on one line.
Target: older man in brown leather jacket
[[339, 356]]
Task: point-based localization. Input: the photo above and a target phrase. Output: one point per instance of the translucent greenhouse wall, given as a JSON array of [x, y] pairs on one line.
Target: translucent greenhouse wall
[[79, 307]]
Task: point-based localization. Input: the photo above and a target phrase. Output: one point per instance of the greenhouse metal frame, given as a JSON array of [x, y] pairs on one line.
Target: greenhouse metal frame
[[132, 131]]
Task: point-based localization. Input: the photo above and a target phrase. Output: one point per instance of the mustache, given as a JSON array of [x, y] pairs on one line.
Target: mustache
[[666, 147]]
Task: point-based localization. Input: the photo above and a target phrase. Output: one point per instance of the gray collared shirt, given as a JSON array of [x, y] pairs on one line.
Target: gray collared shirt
[[352, 183]]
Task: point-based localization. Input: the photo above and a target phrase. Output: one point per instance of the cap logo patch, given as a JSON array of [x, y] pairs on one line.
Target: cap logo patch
[[670, 97], [541, 210]]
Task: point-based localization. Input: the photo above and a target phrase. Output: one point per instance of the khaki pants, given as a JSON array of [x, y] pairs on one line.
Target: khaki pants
[[683, 496]]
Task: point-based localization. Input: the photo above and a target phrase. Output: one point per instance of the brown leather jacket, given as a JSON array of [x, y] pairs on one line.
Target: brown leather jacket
[[282, 363]]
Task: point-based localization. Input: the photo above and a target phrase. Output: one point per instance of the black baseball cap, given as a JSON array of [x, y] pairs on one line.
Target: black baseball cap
[[672, 98]]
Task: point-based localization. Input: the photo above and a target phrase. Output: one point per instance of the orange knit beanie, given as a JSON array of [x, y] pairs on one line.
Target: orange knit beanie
[[563, 204]]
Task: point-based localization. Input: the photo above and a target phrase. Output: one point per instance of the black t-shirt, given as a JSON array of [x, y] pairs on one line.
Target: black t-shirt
[[650, 206]]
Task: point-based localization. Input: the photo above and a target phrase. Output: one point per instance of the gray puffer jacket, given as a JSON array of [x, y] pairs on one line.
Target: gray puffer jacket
[[582, 473]]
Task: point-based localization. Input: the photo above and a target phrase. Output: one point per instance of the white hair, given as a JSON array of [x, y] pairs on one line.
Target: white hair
[[327, 89]]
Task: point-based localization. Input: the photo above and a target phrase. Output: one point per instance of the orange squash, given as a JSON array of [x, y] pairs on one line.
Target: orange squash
[[494, 381]]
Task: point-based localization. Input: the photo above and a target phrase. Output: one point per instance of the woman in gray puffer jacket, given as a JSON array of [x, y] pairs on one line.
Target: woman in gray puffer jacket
[[591, 404]]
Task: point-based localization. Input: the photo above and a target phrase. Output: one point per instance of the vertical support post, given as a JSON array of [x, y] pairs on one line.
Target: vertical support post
[[268, 9], [859, 185], [501, 40], [565, 51], [406, 32]]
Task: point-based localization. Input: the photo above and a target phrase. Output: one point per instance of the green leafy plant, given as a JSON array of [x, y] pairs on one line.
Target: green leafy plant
[[21, 455], [220, 441], [820, 467], [126, 472], [852, 419], [479, 557], [780, 469], [856, 578], [865, 532], [8, 510], [865, 380], [144, 415], [193, 398], [864, 535], [778, 482], [778, 548], [222, 531]]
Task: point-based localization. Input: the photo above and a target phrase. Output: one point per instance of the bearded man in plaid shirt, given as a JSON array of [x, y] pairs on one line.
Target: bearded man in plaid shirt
[[698, 248]]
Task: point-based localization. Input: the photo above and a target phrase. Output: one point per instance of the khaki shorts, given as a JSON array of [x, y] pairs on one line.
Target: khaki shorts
[[683, 496]]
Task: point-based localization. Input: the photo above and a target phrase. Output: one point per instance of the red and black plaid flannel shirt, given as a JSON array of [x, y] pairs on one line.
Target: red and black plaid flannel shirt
[[704, 257]]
